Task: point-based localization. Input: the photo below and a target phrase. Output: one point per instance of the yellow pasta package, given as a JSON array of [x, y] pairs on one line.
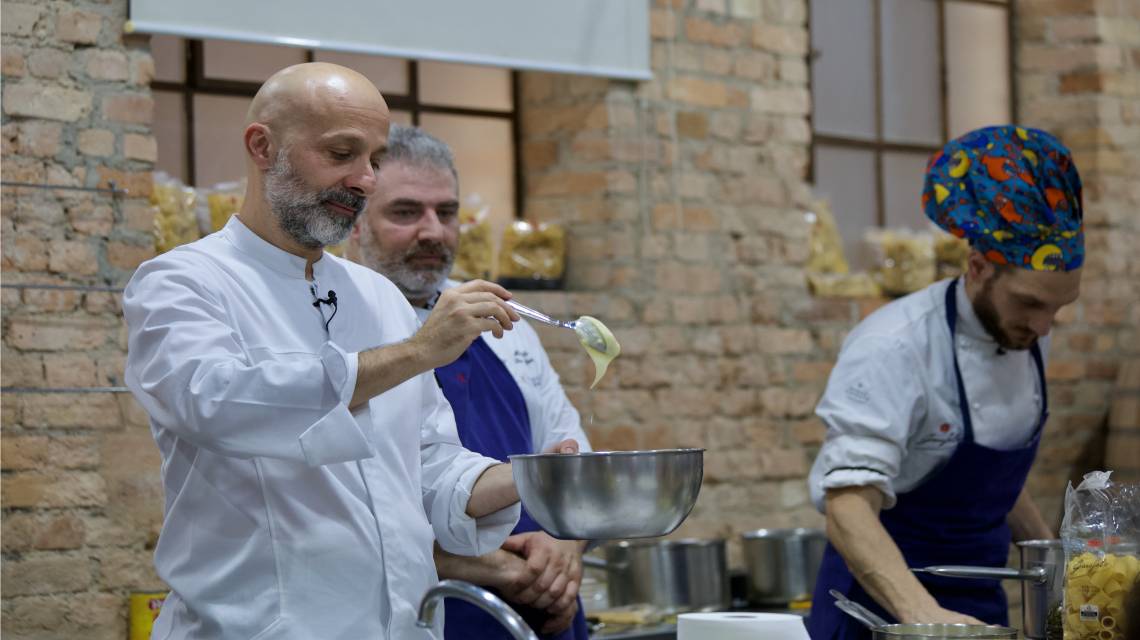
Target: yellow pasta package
[[1100, 531]]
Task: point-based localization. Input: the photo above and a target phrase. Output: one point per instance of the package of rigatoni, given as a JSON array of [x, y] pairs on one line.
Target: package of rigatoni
[[1101, 536]]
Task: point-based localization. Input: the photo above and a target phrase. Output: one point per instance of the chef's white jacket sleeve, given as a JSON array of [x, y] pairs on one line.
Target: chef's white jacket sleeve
[[558, 420], [188, 369], [873, 398], [449, 474]]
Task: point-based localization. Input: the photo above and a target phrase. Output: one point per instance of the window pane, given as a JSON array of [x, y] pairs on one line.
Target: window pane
[[846, 177], [218, 125], [484, 158], [170, 133], [226, 60], [465, 85], [390, 75], [169, 58], [902, 189], [977, 74], [912, 102], [402, 117], [842, 71]]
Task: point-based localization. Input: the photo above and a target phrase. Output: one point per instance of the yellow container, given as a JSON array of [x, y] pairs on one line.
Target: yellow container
[[144, 611]]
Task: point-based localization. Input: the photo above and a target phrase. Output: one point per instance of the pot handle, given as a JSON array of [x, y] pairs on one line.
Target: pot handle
[[1036, 574], [864, 615], [598, 563]]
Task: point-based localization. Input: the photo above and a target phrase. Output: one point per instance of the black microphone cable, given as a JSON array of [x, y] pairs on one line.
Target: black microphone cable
[[331, 301]]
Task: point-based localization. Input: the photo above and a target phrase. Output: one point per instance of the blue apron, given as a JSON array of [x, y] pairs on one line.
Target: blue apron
[[491, 417], [957, 516]]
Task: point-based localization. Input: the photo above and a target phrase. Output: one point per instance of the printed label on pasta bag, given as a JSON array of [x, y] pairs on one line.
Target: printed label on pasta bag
[[1090, 613]]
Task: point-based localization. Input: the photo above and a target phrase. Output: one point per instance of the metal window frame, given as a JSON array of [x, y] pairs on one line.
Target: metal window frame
[[880, 145], [197, 83]]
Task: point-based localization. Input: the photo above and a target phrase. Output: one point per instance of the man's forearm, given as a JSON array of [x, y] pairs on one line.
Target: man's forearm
[[874, 559], [1025, 520], [485, 570], [383, 368], [494, 490]]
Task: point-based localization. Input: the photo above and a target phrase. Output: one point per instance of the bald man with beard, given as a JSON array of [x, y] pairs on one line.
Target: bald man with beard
[[309, 458]]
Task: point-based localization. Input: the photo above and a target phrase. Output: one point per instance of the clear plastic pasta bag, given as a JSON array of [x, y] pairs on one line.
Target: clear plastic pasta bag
[[1100, 532]]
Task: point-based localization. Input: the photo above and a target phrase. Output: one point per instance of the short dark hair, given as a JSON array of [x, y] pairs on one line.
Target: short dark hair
[[414, 146]]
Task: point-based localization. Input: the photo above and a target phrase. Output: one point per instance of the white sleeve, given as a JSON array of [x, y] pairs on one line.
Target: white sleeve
[[186, 367], [558, 420], [449, 474], [874, 398]]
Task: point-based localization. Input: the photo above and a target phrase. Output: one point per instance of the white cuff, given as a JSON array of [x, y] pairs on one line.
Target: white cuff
[[341, 368], [336, 437], [469, 536]]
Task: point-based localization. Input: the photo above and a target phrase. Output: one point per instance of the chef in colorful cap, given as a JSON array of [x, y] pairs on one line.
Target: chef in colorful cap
[[935, 407]]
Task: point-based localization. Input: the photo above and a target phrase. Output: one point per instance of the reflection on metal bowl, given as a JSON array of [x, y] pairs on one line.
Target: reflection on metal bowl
[[609, 495]]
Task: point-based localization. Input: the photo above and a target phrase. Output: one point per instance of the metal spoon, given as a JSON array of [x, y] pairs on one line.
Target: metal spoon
[[857, 611], [584, 330]]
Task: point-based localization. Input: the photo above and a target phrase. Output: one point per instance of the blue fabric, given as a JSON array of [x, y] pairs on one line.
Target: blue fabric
[[957, 516], [491, 417], [1014, 193]]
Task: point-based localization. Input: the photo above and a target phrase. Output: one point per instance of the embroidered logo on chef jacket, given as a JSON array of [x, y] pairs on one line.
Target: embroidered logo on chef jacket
[[944, 436], [529, 365], [858, 393]]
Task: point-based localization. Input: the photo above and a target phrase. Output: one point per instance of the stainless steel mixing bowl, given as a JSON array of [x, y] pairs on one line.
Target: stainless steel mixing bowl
[[609, 495]]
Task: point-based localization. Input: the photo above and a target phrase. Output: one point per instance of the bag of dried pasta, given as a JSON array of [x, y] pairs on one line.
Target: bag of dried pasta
[[532, 253], [475, 256], [222, 201], [1100, 532], [904, 260], [175, 219], [826, 245]]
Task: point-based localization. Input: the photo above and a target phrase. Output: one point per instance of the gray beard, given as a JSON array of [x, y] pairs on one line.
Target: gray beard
[[415, 284], [301, 211]]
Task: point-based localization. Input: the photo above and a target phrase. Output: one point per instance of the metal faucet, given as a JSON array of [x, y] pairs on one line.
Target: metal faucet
[[477, 596]]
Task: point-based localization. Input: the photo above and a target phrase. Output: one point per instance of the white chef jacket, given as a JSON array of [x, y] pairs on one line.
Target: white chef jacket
[[288, 516], [552, 417], [891, 403]]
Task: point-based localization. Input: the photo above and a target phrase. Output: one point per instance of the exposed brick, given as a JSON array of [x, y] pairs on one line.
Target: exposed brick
[[48, 490], [14, 64], [139, 147], [58, 334], [128, 108], [717, 33], [82, 411], [96, 142], [28, 531], [27, 253], [36, 100], [48, 63], [80, 27], [34, 452], [19, 19], [783, 40], [73, 258], [568, 184], [46, 574], [662, 24], [106, 64], [39, 138], [137, 183]]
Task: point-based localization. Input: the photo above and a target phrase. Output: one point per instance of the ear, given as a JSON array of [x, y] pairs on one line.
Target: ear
[[978, 269], [259, 145]]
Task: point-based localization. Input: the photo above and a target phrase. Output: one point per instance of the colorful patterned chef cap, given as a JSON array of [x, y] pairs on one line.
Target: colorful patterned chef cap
[[1014, 193]]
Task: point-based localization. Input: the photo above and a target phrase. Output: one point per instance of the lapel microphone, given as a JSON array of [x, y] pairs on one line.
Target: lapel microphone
[[331, 301]]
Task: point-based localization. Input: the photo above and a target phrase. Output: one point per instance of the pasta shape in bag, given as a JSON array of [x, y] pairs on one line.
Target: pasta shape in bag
[[1102, 565]]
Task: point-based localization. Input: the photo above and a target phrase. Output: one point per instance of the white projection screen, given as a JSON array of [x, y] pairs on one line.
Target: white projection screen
[[607, 38]]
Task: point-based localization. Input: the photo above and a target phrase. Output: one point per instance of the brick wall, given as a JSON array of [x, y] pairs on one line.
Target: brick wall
[[81, 501]]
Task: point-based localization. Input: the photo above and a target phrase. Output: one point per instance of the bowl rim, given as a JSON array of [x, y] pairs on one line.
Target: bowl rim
[[783, 533], [606, 454]]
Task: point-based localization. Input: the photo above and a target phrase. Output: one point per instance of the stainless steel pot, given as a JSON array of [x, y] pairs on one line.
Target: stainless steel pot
[[882, 630], [782, 564], [675, 576], [1042, 577]]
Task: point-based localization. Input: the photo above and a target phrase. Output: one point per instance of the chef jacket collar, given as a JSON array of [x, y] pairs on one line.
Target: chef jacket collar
[[271, 256], [968, 323]]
